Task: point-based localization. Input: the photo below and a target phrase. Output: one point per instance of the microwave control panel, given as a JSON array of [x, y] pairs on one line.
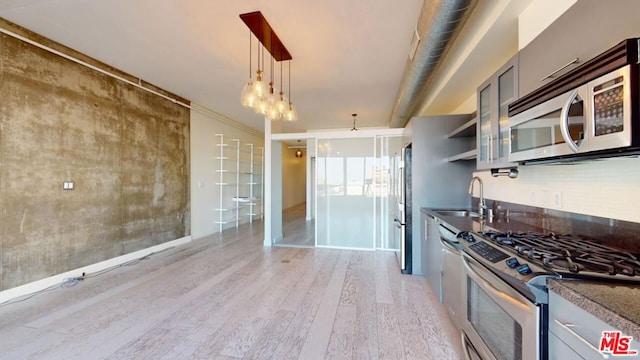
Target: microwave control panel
[[608, 107]]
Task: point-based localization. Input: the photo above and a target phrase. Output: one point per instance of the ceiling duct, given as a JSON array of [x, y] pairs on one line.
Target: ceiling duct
[[438, 24]]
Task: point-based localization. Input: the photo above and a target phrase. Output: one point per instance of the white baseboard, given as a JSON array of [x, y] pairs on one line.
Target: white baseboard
[[277, 239], [342, 248], [38, 285]]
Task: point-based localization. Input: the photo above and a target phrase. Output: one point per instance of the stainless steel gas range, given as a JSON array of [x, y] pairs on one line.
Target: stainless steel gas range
[[506, 293]]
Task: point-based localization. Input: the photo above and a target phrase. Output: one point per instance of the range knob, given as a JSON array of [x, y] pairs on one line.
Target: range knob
[[512, 263], [467, 236], [524, 269]]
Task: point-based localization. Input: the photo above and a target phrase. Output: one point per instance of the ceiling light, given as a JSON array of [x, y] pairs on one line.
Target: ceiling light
[[299, 152], [354, 122], [255, 94]]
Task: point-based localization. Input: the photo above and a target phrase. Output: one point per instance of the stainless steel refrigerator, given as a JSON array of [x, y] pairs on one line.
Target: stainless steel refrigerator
[[402, 214]]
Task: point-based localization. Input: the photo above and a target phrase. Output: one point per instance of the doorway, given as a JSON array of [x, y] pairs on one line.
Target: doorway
[[297, 229], [338, 203]]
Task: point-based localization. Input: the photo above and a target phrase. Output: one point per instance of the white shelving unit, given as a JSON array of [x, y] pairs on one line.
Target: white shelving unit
[[240, 182], [254, 182]]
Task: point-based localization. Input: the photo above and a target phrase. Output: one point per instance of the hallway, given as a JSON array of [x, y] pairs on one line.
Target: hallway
[[228, 297]]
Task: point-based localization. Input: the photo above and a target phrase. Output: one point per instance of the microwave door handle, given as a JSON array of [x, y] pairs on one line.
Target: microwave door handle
[[564, 122], [487, 285]]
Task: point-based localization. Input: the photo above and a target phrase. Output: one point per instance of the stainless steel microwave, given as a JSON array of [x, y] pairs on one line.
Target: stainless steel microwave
[[593, 118]]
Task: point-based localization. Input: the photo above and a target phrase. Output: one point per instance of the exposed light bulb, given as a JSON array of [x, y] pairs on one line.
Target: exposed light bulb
[[272, 100], [259, 88], [272, 113], [247, 99], [290, 114], [261, 106], [282, 104]]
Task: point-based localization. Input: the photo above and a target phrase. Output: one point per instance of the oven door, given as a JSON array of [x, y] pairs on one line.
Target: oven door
[[500, 323]]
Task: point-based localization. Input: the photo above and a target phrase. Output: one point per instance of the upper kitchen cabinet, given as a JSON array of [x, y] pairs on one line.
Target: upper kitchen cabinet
[[585, 30], [494, 97]]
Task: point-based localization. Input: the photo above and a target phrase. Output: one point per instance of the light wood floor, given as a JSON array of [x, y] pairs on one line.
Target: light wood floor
[[296, 230], [229, 298]]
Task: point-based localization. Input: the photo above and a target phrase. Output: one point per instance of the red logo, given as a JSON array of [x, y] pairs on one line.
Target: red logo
[[613, 342]]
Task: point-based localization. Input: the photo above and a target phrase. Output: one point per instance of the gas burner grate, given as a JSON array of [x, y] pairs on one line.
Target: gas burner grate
[[562, 252]]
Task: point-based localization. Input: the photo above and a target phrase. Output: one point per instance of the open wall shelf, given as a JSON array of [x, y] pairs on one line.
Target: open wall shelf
[[466, 130], [240, 179]]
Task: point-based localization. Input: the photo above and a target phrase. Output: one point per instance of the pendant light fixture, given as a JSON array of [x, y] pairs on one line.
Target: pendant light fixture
[[259, 88], [290, 114], [299, 151], [281, 104], [255, 94], [247, 98], [272, 99], [354, 122]]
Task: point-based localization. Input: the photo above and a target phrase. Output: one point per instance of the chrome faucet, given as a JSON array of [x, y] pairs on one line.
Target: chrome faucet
[[481, 206]]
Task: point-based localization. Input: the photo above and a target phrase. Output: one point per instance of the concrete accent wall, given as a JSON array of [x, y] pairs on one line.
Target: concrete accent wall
[[126, 150]]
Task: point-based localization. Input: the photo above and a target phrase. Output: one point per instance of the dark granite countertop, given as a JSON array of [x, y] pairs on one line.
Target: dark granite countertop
[[614, 303]]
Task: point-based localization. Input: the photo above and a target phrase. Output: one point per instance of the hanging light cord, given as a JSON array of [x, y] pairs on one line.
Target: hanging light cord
[[289, 89], [280, 76], [250, 74], [258, 51]]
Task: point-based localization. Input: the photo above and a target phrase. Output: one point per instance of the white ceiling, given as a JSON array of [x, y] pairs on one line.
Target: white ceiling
[[348, 55]]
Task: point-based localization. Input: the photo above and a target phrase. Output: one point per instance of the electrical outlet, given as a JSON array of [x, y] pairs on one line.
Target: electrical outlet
[[557, 199], [67, 185], [544, 199]]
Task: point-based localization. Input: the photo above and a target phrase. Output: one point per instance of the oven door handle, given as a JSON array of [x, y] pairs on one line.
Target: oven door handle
[[568, 328], [467, 347], [446, 246], [508, 299]]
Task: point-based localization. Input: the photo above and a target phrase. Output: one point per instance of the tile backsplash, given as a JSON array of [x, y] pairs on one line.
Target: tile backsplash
[[608, 188]]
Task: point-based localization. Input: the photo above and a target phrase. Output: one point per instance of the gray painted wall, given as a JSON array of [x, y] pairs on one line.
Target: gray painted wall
[[437, 183]]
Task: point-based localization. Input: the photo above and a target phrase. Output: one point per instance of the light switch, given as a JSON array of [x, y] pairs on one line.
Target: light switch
[[67, 185]]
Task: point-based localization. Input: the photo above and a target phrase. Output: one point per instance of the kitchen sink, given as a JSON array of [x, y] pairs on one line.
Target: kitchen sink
[[460, 213]]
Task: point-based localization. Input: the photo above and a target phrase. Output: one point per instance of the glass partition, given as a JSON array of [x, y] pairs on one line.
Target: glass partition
[[345, 191], [387, 157]]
